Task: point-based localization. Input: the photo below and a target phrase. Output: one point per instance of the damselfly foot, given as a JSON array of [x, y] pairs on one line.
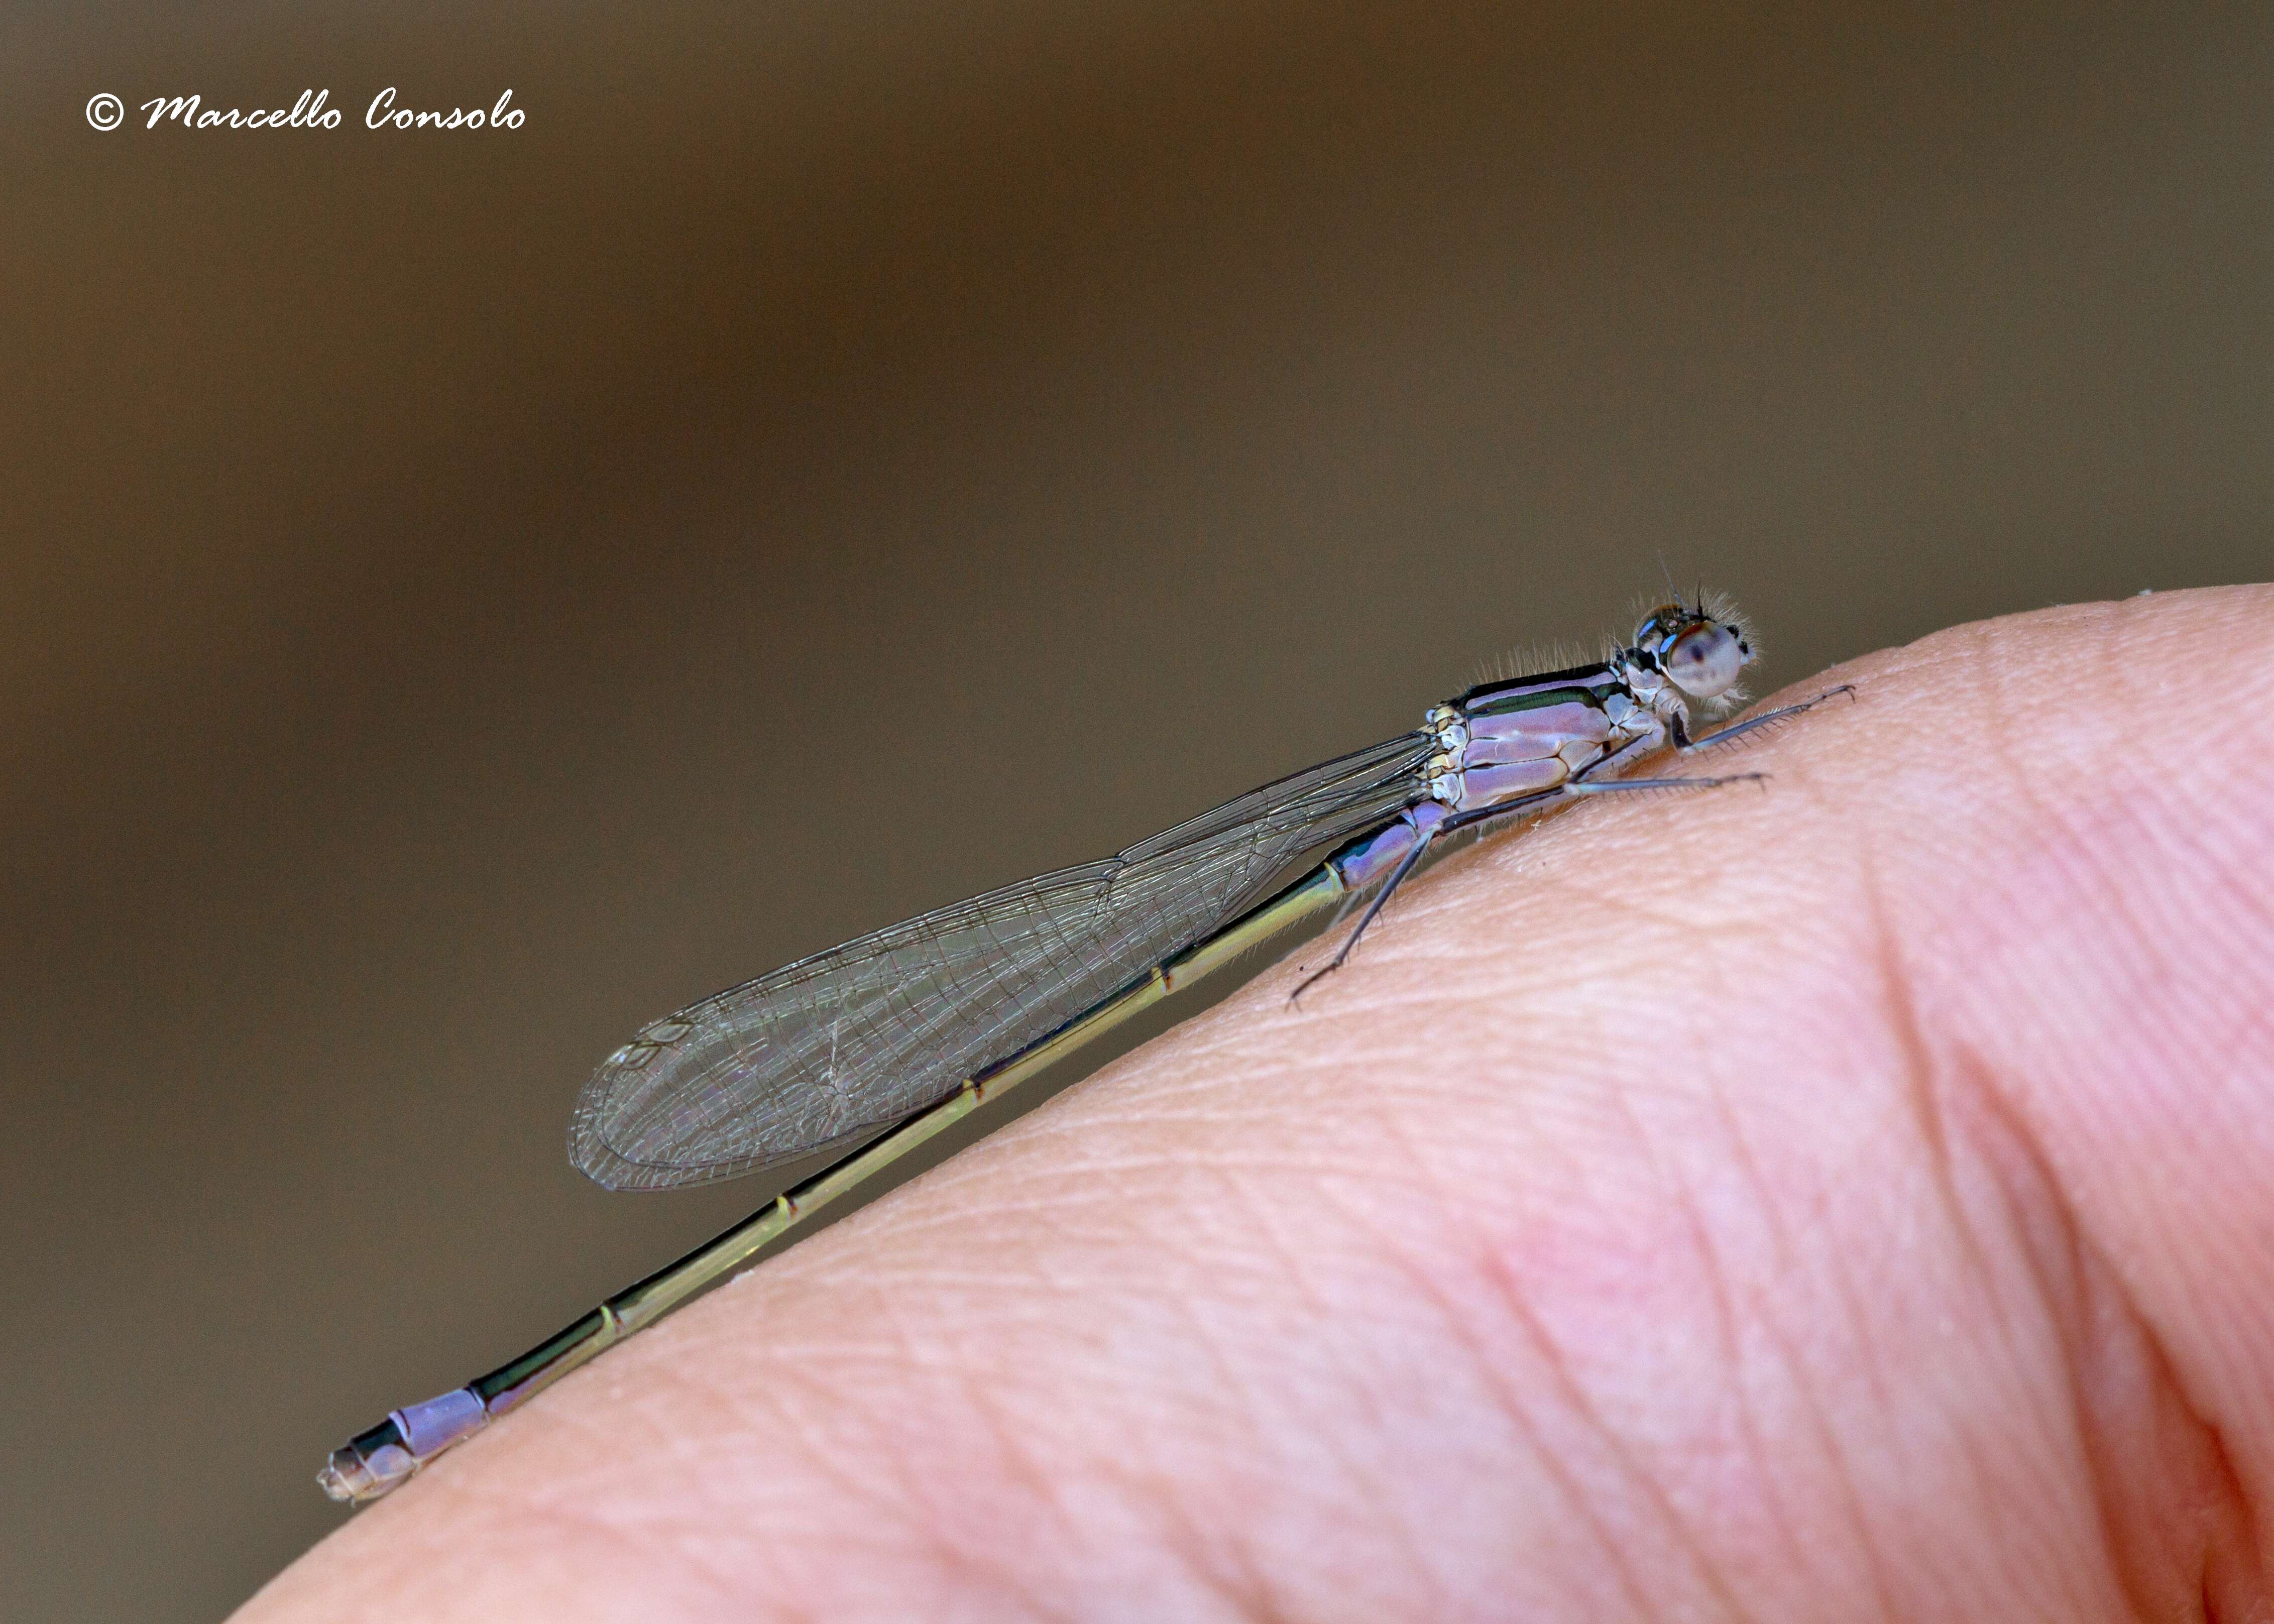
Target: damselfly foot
[[1753, 726]]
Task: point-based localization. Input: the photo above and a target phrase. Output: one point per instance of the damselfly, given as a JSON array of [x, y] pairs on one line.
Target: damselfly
[[873, 1047]]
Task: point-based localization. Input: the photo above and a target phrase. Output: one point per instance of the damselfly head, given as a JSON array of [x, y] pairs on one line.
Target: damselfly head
[[1702, 653]]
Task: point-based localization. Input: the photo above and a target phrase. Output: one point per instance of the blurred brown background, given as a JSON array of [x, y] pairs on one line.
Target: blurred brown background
[[470, 593]]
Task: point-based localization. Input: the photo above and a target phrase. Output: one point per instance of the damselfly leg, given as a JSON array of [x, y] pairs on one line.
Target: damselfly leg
[[1405, 866], [1753, 725], [1481, 815]]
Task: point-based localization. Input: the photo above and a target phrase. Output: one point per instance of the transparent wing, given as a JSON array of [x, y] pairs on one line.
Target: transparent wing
[[824, 1050]]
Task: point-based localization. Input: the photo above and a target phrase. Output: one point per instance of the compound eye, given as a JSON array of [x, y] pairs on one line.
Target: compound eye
[[1657, 623], [1705, 660]]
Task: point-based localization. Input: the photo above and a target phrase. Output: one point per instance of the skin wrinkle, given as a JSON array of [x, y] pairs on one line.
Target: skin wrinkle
[[2260, 909], [2006, 743], [1786, 1260], [1239, 1590], [1927, 1082], [830, 1464], [1727, 1317], [1186, 1536], [1883, 1399], [1917, 1070], [1438, 1209], [787, 1374], [1509, 1293], [1225, 1567], [1010, 1466], [2179, 988], [689, 1561], [2230, 1496], [2060, 1288], [1836, 1460], [1423, 1197], [1827, 1434], [1512, 1408], [1420, 1553], [2186, 1012], [1252, 1404], [1685, 1202], [1263, 1223], [571, 1513], [1216, 1568], [2111, 901]]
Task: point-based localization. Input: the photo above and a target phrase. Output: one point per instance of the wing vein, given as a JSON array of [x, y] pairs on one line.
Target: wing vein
[[890, 1022]]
